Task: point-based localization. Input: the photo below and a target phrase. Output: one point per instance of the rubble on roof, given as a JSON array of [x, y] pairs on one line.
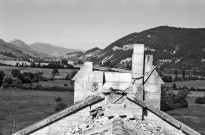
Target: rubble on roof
[[102, 125]]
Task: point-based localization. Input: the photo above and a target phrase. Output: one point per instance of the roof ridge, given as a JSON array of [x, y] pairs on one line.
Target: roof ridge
[[179, 125], [117, 128]]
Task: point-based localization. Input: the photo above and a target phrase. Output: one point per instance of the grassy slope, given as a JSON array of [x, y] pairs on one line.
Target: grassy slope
[[27, 107]]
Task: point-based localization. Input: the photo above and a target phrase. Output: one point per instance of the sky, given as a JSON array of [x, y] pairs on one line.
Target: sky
[[84, 24]]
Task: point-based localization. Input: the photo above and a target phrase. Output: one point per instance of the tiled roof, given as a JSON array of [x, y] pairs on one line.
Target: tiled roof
[[136, 127], [116, 126], [101, 124]]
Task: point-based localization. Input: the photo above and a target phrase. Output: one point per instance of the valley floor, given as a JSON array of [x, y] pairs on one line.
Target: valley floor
[[20, 108]]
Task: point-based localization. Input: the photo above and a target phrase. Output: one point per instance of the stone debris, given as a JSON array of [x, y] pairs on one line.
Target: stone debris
[[89, 124], [120, 126]]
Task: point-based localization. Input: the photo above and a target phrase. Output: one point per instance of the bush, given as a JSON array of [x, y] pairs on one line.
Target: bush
[[2, 74], [16, 82], [28, 79], [174, 86], [200, 100], [15, 72], [35, 80], [43, 78], [70, 76], [65, 84], [70, 66], [170, 100], [55, 72], [58, 99], [178, 79], [192, 89], [167, 78], [60, 106], [51, 79], [7, 81]]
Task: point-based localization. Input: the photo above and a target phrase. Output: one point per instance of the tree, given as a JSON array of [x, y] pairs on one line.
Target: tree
[[55, 72], [174, 86], [7, 80], [16, 81], [15, 72], [59, 105], [28, 79], [69, 76], [64, 61], [33, 64], [39, 64], [175, 72], [183, 74], [167, 78], [58, 99], [2, 74]]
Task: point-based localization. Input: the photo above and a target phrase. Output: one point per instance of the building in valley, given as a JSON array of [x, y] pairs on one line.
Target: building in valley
[[114, 103]]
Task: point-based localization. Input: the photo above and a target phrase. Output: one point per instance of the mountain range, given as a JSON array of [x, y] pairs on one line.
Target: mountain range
[[18, 49], [172, 47]]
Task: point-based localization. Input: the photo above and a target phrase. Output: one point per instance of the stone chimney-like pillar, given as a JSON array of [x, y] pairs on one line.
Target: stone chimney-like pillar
[[148, 63], [137, 69], [137, 60]]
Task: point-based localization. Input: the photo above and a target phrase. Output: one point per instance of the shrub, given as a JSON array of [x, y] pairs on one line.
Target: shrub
[[70, 76], [174, 86], [58, 99], [70, 66], [65, 84], [43, 78], [200, 100], [170, 100], [167, 78], [51, 79], [16, 82], [72, 83], [2, 74], [178, 79], [60, 106], [55, 72], [35, 80], [28, 79], [192, 89], [28, 74], [15, 72], [7, 81]]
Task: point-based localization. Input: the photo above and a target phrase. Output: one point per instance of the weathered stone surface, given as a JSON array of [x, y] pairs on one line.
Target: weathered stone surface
[[137, 60]]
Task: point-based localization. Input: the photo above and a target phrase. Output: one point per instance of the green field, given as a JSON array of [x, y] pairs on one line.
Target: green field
[[47, 72], [27, 107], [193, 83], [193, 116], [55, 83]]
